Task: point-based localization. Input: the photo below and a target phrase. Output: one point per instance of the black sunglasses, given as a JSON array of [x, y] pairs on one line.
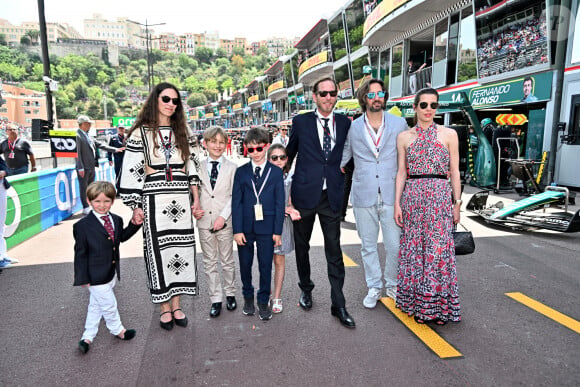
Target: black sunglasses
[[434, 105], [167, 98], [276, 157], [324, 93], [257, 149]]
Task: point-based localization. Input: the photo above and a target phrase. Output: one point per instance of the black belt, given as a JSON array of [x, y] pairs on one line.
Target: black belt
[[427, 177]]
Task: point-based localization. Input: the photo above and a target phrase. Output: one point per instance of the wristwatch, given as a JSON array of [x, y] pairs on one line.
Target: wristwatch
[[457, 201]]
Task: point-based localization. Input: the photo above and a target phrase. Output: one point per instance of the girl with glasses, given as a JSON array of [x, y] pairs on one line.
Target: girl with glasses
[[160, 174], [427, 204], [277, 156]]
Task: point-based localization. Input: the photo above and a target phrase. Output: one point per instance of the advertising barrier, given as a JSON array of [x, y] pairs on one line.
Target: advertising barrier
[[39, 200]]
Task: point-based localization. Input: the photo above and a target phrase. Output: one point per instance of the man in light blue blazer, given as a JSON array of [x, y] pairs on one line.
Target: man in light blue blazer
[[372, 143]]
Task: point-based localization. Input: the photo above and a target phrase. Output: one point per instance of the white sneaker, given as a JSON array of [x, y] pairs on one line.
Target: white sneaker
[[86, 210], [372, 297], [11, 260], [391, 292]]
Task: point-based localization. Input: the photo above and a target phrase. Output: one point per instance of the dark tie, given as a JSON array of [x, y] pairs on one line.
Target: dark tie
[[214, 173], [109, 226], [326, 145], [257, 174]]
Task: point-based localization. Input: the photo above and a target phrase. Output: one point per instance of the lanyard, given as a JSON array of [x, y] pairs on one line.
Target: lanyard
[[332, 138], [378, 140], [12, 145], [261, 187], [167, 147]]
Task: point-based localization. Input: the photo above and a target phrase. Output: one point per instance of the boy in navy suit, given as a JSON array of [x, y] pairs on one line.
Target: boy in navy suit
[[97, 239], [257, 217]]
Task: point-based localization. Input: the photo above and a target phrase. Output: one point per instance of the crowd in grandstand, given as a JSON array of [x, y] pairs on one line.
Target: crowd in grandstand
[[517, 46]]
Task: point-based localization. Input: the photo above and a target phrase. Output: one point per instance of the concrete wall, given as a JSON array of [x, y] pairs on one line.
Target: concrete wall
[[64, 49]]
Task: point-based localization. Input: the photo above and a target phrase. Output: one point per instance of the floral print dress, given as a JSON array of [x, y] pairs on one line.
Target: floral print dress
[[427, 280]]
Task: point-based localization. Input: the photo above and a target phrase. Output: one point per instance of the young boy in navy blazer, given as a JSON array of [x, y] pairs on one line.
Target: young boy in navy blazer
[[257, 217], [97, 239]]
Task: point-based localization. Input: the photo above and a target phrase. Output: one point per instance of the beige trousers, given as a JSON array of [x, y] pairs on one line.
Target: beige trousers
[[218, 247]]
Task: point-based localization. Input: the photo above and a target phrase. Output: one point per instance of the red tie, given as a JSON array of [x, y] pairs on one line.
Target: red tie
[[109, 226]]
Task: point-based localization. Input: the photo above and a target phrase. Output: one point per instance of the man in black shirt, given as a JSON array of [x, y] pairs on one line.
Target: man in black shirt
[[17, 152]]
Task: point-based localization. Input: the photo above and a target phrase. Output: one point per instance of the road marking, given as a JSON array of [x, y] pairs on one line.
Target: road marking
[[423, 331], [553, 314], [347, 261]]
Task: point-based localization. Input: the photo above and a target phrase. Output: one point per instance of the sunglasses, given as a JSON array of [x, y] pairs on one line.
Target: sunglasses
[[332, 93], [257, 149], [434, 105], [167, 98], [276, 157], [283, 130], [380, 94]]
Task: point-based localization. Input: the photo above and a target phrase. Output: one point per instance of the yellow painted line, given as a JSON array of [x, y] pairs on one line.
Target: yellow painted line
[[423, 331], [560, 318], [347, 261]]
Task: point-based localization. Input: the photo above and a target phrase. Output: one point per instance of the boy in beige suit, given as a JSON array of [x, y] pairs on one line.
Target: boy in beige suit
[[214, 219]]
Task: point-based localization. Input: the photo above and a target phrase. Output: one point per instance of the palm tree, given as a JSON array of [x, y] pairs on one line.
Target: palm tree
[[33, 35]]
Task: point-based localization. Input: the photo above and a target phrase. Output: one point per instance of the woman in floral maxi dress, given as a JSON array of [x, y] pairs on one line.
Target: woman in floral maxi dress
[[427, 205]]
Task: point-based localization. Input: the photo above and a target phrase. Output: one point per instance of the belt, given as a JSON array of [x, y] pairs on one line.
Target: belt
[[427, 177]]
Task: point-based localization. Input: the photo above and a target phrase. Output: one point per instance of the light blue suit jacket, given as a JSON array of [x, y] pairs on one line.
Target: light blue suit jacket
[[370, 172]]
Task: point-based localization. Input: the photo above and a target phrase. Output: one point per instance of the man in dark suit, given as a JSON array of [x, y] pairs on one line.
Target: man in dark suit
[[117, 141], [87, 158], [317, 140]]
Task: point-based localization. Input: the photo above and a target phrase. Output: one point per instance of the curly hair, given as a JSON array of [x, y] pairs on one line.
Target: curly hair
[[149, 117]]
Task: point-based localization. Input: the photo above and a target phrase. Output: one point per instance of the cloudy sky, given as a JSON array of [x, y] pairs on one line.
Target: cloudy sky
[[252, 19]]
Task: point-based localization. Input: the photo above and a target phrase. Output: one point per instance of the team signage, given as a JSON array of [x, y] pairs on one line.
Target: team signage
[[125, 122], [63, 142], [380, 12], [512, 91], [313, 61]]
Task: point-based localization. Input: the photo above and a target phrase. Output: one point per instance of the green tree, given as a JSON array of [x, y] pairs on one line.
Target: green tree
[[239, 51], [203, 55], [11, 72], [221, 53], [196, 99], [33, 35], [24, 39], [3, 41]]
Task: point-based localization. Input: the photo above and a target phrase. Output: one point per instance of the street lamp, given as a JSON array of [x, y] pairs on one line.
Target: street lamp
[[149, 47]]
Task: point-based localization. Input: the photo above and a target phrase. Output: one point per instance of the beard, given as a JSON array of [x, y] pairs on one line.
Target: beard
[[374, 108]]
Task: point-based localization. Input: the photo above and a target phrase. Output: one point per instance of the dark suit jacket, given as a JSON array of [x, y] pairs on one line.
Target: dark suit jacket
[[116, 142], [4, 167], [271, 198], [311, 167], [96, 255]]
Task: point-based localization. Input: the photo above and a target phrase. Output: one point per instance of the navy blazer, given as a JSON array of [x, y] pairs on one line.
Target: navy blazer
[[96, 255], [271, 198], [116, 142], [311, 166], [4, 167]]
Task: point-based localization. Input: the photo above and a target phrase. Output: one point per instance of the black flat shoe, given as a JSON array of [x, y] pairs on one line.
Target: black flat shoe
[[306, 300], [84, 346], [182, 322], [231, 303], [129, 334], [216, 309], [419, 320], [166, 325], [343, 316]]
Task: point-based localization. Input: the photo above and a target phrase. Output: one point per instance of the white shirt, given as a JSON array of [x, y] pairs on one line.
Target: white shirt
[[319, 125], [262, 166], [374, 137]]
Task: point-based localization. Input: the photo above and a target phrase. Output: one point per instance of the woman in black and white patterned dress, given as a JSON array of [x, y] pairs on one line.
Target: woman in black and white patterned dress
[[159, 177]]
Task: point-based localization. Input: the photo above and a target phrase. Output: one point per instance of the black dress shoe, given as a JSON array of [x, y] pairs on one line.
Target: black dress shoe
[[166, 325], [129, 334], [306, 300], [343, 316], [231, 303], [84, 346], [182, 322], [215, 310]]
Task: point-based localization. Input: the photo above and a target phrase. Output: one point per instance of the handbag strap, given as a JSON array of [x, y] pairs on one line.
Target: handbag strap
[[461, 224]]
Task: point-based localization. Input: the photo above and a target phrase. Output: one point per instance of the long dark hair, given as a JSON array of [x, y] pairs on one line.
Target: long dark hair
[[272, 148], [149, 116], [425, 91]]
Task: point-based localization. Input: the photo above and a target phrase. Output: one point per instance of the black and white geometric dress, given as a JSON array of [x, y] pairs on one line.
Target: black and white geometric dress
[[168, 233]]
